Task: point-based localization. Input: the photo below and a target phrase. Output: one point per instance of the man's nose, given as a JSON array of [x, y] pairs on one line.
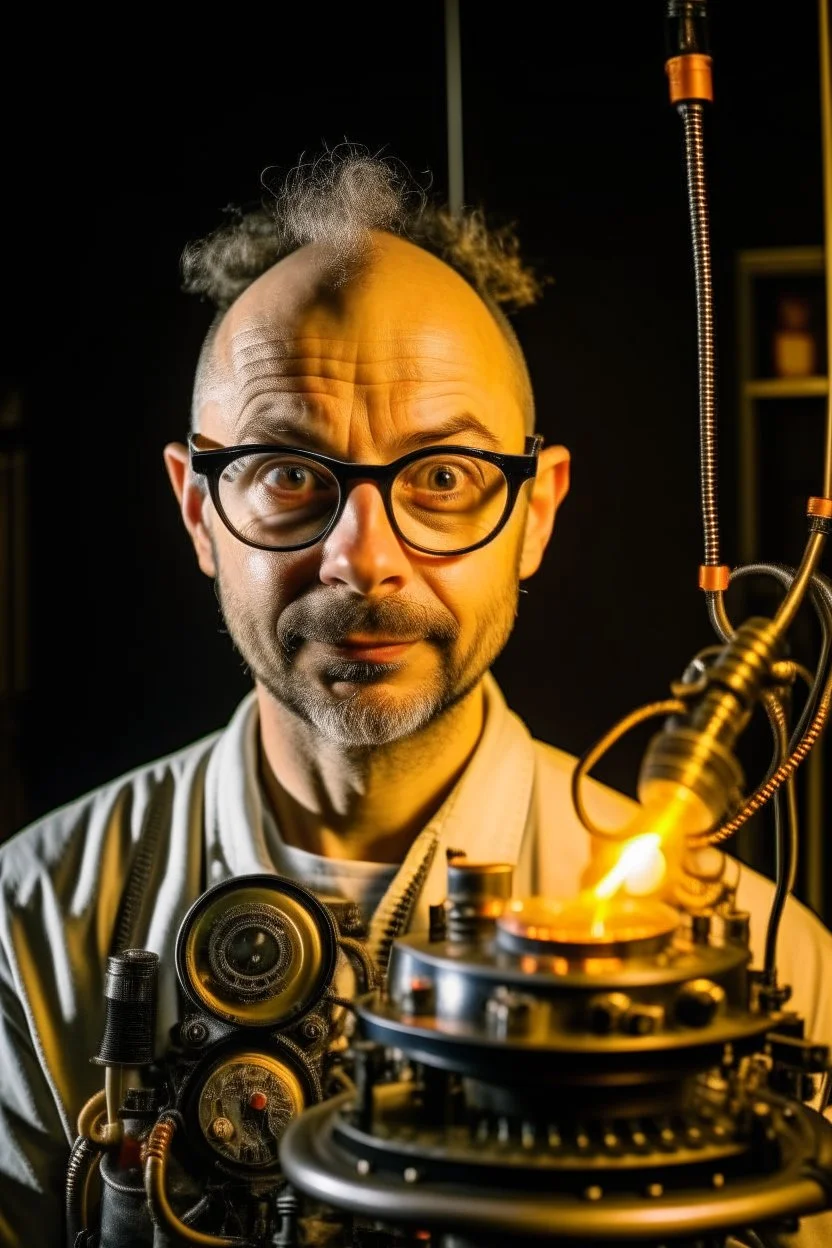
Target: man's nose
[[363, 553]]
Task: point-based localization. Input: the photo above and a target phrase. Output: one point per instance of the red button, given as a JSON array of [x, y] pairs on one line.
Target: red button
[[258, 1100]]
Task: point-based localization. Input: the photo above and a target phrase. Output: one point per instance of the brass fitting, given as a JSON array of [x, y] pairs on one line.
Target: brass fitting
[[698, 755]]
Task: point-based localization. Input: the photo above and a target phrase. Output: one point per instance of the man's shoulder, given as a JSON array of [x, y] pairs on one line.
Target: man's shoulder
[[67, 837]]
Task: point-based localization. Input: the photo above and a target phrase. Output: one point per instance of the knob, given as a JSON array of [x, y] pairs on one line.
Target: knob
[[506, 1013], [604, 1012], [698, 1002]]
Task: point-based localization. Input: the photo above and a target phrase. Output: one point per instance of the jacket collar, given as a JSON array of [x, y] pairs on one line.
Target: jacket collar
[[484, 816]]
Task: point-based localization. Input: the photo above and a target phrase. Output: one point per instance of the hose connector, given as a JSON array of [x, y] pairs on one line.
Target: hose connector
[[688, 64]]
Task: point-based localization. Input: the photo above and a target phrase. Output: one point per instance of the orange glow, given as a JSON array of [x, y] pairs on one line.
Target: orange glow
[[651, 854], [585, 920], [640, 869]]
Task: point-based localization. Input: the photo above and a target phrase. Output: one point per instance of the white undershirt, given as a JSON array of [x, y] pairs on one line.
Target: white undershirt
[[365, 883]]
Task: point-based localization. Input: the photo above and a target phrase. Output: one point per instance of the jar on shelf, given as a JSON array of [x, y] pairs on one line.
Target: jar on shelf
[[794, 346]]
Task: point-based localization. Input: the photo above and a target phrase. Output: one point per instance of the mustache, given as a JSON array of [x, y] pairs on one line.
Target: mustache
[[332, 620]]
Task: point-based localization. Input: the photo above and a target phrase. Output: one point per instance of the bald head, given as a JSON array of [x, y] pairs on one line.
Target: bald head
[[398, 299]]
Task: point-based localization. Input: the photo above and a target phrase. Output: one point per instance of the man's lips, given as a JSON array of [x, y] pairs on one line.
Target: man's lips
[[373, 649]]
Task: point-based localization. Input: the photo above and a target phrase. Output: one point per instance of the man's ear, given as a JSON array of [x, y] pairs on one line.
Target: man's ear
[[551, 485], [191, 497]]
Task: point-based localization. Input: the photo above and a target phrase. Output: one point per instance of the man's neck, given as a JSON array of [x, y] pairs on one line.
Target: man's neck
[[363, 805]]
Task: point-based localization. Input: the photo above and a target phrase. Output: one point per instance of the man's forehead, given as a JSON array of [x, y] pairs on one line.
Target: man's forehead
[[407, 322], [361, 354], [263, 382]]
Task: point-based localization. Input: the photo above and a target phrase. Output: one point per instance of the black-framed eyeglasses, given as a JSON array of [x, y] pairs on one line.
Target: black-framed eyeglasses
[[441, 500]]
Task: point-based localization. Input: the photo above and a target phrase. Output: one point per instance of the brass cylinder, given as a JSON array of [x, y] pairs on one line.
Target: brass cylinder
[[689, 77], [698, 755]]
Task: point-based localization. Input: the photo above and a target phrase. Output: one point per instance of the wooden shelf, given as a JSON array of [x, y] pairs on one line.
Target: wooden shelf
[[786, 387]]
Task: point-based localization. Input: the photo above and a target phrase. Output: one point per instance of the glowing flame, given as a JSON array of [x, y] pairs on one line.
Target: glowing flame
[[640, 869], [668, 813]]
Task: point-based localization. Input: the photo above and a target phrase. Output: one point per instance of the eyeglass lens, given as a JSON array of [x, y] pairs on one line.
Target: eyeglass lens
[[440, 503]]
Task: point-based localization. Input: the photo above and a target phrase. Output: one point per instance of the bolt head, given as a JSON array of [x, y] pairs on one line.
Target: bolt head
[[222, 1129]]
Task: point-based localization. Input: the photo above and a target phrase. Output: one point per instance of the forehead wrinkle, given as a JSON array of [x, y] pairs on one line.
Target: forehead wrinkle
[[409, 357]]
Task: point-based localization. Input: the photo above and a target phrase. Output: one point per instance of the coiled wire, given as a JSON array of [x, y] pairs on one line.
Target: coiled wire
[[692, 115]]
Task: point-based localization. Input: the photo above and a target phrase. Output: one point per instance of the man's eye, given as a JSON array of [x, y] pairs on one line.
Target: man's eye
[[442, 477], [290, 478]]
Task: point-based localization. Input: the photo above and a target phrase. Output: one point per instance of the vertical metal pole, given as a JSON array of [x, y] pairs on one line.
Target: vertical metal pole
[[453, 90], [815, 816], [826, 137]]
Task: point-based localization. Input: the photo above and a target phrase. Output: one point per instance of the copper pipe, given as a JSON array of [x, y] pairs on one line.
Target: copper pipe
[[93, 1124], [155, 1176], [797, 590]]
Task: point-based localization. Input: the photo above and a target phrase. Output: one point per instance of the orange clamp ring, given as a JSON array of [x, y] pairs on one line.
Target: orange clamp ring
[[819, 507], [711, 577], [689, 77]]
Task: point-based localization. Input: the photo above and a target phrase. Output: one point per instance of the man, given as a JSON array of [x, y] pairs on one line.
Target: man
[[362, 486]]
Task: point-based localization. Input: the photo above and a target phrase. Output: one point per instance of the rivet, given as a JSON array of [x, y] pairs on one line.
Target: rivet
[[594, 1192], [363, 1166]]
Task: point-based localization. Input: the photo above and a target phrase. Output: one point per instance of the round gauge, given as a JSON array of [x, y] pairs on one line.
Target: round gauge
[[243, 1107], [257, 951], [249, 950]]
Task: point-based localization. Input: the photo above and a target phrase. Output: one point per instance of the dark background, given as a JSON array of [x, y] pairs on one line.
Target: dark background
[[124, 143]]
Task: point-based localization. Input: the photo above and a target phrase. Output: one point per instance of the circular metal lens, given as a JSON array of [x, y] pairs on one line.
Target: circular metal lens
[[249, 950], [258, 951]]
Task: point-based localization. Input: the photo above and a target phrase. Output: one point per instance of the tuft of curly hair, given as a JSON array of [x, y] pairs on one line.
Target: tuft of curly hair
[[338, 199]]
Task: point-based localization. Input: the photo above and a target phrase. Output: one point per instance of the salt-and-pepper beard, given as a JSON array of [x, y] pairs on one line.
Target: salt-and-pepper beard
[[369, 716]]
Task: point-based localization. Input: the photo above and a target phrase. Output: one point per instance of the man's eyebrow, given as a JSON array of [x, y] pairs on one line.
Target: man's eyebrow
[[454, 427], [265, 428], [301, 427]]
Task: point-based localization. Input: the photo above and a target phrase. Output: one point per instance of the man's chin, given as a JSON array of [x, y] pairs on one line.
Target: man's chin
[[353, 674], [360, 720], [361, 709]]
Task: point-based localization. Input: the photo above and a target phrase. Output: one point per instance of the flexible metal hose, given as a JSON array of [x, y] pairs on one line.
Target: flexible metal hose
[[81, 1159], [692, 115]]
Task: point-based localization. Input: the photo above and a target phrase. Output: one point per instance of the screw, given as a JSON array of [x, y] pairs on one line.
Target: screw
[[195, 1032]]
